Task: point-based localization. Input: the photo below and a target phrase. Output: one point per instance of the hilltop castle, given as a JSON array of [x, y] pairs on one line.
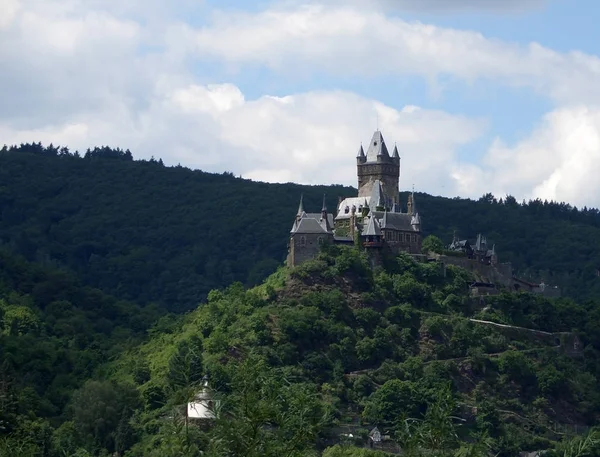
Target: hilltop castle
[[374, 217]]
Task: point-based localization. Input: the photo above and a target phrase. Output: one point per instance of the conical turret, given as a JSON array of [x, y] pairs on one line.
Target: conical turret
[[396, 155], [300, 206], [361, 157]]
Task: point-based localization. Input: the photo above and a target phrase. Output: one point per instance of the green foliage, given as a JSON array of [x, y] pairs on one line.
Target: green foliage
[[265, 415], [328, 343], [393, 399], [54, 335], [101, 411], [433, 244], [89, 212], [348, 451]]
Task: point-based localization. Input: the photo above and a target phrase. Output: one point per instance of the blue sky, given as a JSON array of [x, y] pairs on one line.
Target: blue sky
[[480, 96]]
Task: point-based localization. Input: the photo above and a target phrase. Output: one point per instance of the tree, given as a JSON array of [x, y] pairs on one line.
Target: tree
[[185, 365], [433, 244], [266, 416], [98, 409], [394, 398]]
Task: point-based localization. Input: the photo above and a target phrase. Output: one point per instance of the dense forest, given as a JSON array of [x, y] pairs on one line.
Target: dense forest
[[308, 362], [144, 232], [125, 285]]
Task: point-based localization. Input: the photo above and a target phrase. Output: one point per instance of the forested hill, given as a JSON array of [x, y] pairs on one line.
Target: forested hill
[[145, 232]]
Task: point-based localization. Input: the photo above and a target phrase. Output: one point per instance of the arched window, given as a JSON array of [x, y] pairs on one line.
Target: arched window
[[302, 241]]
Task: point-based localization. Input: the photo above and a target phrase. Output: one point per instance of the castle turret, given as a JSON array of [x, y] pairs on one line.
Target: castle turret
[[361, 157], [324, 218], [410, 204], [377, 165], [396, 156], [300, 207]]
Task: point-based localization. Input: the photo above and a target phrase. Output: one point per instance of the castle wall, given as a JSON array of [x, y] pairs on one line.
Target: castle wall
[[500, 274], [307, 249], [387, 173], [410, 248]]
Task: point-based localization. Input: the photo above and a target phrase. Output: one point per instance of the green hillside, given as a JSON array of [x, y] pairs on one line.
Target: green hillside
[[54, 334], [332, 348], [148, 233]]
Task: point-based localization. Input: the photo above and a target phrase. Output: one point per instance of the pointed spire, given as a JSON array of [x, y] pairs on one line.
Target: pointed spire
[[361, 151], [395, 154], [384, 221], [377, 150], [301, 205], [373, 228], [324, 216], [414, 202]]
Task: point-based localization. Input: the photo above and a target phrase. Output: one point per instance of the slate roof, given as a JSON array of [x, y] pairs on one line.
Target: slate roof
[[377, 147], [377, 196], [373, 228], [312, 223], [356, 201], [395, 221], [361, 152]]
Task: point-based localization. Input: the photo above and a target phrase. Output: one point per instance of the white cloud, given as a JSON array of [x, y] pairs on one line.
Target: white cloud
[[447, 5], [85, 74], [310, 137], [347, 41], [9, 9], [559, 161]]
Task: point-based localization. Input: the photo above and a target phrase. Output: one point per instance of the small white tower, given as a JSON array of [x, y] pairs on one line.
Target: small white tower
[[203, 405]]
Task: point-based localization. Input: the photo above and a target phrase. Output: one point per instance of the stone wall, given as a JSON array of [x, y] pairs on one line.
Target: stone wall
[[305, 247], [499, 274], [387, 173]]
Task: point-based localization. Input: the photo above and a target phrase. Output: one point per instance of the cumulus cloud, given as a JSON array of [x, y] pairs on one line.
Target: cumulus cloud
[[347, 41], [309, 137], [107, 72], [448, 5], [9, 9], [559, 161]]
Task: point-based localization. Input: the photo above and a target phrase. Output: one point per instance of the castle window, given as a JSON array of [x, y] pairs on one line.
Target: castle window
[[346, 209], [302, 241], [414, 238], [320, 240]]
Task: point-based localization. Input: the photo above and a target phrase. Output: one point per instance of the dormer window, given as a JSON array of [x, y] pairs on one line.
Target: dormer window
[[346, 209]]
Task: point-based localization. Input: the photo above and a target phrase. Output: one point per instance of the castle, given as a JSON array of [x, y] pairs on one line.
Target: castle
[[480, 251], [374, 218]]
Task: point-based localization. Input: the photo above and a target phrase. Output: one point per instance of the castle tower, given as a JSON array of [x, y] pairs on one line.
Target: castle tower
[[378, 165]]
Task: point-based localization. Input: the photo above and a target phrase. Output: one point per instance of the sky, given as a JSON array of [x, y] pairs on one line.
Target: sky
[[480, 96]]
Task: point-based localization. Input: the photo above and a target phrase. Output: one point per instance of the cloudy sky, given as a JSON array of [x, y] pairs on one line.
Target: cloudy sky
[[480, 96]]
